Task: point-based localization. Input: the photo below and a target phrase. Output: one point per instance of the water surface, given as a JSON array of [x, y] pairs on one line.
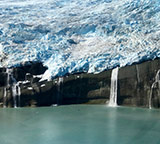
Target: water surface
[[79, 124]]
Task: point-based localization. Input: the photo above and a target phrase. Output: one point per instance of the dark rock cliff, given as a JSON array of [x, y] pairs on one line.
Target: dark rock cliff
[[138, 85]]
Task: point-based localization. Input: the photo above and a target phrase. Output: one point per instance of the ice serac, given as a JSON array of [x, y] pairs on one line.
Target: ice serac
[[71, 36], [113, 89]]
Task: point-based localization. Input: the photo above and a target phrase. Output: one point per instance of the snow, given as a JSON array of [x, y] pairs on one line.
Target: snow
[[30, 88], [70, 36], [43, 85]]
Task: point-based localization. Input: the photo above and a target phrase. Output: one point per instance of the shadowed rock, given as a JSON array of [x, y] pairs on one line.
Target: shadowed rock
[[134, 86]]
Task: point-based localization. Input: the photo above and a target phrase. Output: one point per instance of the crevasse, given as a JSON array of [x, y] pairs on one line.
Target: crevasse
[[71, 36]]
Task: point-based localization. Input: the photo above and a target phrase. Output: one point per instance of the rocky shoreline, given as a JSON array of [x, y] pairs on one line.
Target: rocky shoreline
[[138, 85]]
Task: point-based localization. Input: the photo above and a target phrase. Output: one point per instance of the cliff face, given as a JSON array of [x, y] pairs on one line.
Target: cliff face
[[138, 85]]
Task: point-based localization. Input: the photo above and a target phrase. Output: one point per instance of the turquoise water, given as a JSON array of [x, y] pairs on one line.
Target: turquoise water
[[79, 124]]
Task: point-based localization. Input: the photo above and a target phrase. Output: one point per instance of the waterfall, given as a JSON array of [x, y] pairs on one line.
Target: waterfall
[[113, 90], [138, 77], [150, 96], [4, 97], [8, 71], [19, 94], [8, 77], [16, 92], [14, 95], [157, 79], [59, 82], [15, 88]]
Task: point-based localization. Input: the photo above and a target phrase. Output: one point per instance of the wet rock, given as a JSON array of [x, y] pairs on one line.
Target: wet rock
[[83, 88], [1, 93], [28, 77], [3, 79], [134, 86], [35, 79], [34, 68], [2, 70], [19, 74], [135, 83]]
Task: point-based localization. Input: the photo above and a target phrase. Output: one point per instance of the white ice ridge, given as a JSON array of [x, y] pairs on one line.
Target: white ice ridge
[[71, 36]]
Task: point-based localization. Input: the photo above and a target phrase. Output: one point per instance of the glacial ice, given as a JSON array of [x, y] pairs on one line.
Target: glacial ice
[[71, 36]]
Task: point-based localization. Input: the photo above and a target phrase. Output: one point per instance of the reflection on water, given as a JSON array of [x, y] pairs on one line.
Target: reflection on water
[[79, 124]]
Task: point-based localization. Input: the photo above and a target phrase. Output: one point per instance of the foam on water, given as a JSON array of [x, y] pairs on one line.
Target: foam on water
[[71, 36]]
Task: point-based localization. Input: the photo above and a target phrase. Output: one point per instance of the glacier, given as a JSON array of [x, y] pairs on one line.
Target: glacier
[[70, 36]]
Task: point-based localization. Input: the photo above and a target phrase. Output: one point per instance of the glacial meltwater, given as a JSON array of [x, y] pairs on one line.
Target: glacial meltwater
[[114, 85], [79, 124]]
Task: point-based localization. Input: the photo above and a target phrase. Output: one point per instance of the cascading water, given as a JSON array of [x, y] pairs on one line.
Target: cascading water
[[138, 77], [4, 97], [15, 88], [157, 79], [18, 94], [113, 90], [60, 81], [8, 71], [14, 94]]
